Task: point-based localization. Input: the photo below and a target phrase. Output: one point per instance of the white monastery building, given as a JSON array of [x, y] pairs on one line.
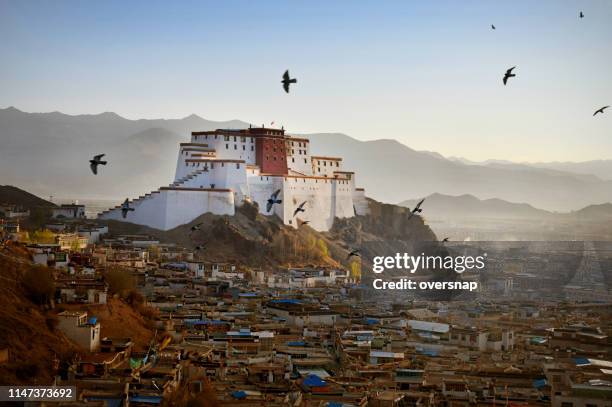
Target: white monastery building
[[221, 169]]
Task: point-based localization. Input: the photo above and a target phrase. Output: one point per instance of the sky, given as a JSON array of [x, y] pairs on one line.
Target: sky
[[426, 73]]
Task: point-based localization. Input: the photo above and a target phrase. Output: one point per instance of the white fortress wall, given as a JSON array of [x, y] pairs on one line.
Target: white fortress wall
[[184, 205], [326, 198], [261, 187], [221, 174], [149, 211], [230, 147]]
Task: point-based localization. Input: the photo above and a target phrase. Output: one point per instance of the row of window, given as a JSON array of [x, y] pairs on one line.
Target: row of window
[[236, 147]]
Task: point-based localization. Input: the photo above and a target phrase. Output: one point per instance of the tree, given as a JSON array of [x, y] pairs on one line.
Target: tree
[[119, 281], [38, 284], [323, 248]]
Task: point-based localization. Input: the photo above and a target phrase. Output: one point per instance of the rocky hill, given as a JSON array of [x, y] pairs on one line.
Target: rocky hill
[[13, 195], [255, 241]]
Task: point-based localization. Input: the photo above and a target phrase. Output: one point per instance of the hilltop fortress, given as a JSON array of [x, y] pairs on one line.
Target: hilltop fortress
[[219, 170]]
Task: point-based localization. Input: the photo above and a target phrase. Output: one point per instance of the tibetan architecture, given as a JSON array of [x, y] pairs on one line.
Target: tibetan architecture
[[221, 169]]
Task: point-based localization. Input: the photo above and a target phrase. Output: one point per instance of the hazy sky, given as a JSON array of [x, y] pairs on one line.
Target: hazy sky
[[427, 73]]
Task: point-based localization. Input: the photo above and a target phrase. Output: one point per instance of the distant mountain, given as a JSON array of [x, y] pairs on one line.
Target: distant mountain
[[599, 168], [393, 172], [468, 207], [438, 206], [48, 154], [15, 196]]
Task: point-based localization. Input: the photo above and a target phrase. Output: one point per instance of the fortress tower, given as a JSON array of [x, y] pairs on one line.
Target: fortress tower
[[221, 169]]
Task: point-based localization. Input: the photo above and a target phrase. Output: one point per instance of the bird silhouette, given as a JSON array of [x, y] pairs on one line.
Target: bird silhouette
[[196, 227], [417, 209], [273, 200], [287, 80], [299, 208], [600, 110], [125, 208], [354, 252], [492, 27], [509, 74], [445, 240], [97, 160], [304, 222], [581, 15]]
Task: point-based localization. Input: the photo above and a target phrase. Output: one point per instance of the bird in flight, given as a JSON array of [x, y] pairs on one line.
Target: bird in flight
[[354, 252], [196, 227], [287, 80], [445, 240], [299, 208], [417, 209], [581, 15], [492, 27], [125, 208], [600, 110], [97, 160], [509, 74], [273, 200], [304, 222]]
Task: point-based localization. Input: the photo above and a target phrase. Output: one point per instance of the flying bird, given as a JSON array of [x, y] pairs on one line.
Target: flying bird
[[196, 227], [299, 208], [125, 208], [492, 27], [581, 15], [97, 160], [509, 74], [304, 222], [417, 209], [273, 200], [354, 252], [600, 110], [445, 240], [287, 80]]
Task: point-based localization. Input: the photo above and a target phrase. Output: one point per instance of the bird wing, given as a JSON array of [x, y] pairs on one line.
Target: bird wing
[[275, 194], [286, 86], [286, 76], [98, 157], [126, 203], [419, 204], [94, 168], [302, 204], [505, 78], [509, 71], [269, 205]]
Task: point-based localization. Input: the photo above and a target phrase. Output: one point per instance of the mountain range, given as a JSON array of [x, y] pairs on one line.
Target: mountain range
[[48, 153], [469, 208]]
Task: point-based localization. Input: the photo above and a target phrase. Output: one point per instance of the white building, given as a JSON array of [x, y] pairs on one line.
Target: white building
[[69, 211], [219, 170], [77, 327]]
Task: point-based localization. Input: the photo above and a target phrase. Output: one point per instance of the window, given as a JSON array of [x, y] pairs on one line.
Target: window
[[238, 165], [305, 162], [225, 138], [243, 147], [227, 146], [292, 159], [251, 148], [337, 164], [242, 139], [235, 147], [234, 139]]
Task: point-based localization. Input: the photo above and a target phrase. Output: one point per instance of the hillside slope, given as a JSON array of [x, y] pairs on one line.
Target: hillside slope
[[254, 240], [13, 195]]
